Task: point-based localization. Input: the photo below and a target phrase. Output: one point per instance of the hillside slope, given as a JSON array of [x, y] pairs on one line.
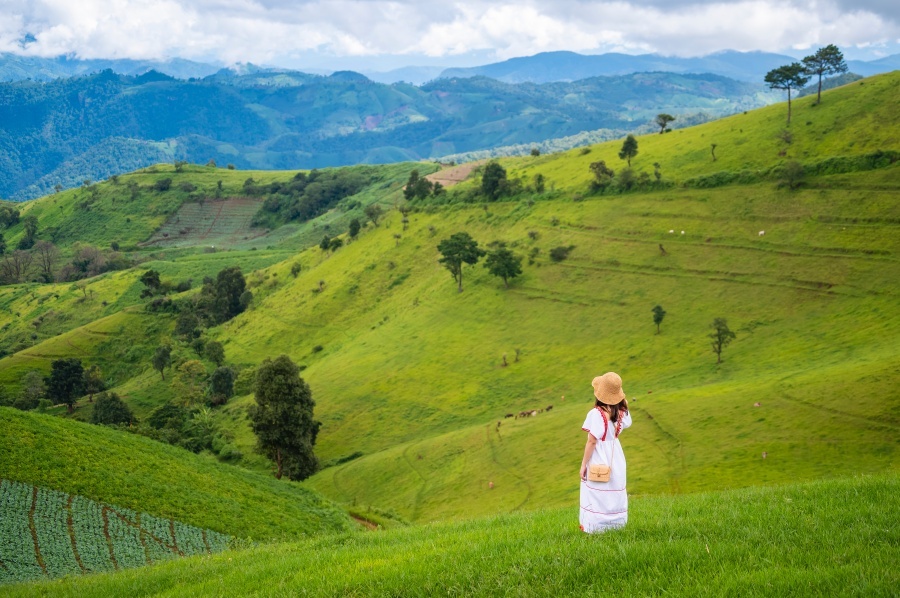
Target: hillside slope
[[146, 476], [825, 538]]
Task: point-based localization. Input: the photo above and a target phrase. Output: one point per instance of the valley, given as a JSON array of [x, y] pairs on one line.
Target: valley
[[426, 394]]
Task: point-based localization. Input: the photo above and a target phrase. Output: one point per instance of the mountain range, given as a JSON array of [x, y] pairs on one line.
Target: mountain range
[[540, 68], [68, 130]]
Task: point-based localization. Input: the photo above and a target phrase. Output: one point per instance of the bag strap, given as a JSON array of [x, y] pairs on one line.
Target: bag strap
[[606, 424], [603, 439]]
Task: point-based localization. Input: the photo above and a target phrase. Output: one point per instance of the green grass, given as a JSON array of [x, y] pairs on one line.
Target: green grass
[[414, 368], [137, 473], [824, 538]]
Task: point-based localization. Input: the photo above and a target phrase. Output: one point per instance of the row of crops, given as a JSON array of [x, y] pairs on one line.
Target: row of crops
[[48, 534]]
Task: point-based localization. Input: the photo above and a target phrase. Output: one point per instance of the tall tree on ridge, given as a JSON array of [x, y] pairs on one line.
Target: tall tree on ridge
[[788, 77], [826, 61]]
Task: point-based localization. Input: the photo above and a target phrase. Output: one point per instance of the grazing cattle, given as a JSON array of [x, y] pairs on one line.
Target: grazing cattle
[[762, 232], [671, 231], [765, 454], [682, 232], [548, 408], [508, 415], [757, 404]]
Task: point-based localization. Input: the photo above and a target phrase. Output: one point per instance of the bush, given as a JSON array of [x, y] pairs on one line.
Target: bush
[[558, 254], [110, 410], [162, 185]]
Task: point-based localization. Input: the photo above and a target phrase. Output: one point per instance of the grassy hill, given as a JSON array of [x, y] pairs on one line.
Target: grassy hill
[[136, 473], [823, 538], [411, 374]]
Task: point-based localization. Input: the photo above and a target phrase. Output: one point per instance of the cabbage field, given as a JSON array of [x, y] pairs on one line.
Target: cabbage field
[[49, 534]]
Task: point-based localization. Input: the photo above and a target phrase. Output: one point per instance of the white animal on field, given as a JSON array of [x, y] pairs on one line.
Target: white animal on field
[[682, 232], [671, 231], [762, 232]]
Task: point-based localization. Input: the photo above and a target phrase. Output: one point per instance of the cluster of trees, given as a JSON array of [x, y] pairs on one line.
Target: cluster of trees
[[307, 195], [219, 300], [418, 187], [461, 249], [68, 381], [825, 61], [41, 262]]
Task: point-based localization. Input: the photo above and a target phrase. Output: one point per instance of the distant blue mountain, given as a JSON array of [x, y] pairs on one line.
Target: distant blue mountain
[[14, 67], [570, 66]]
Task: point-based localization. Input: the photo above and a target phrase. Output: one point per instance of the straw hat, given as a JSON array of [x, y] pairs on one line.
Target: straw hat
[[608, 388]]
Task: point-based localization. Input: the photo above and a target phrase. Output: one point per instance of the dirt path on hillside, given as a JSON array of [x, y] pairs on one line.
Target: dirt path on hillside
[[455, 174]]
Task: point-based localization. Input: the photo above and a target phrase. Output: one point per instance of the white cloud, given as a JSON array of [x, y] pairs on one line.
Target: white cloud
[[270, 31]]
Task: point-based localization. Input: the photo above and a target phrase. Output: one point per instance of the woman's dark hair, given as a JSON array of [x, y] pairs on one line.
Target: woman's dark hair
[[613, 410]]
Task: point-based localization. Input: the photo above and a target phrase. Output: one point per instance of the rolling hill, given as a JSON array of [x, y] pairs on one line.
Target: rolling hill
[[146, 476], [411, 377]]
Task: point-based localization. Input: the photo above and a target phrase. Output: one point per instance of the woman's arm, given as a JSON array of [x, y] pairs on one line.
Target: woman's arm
[[588, 451]]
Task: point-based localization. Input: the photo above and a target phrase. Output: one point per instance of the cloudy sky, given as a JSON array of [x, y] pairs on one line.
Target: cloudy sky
[[378, 34]]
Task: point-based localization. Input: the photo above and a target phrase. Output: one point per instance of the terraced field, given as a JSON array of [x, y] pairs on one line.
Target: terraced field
[[212, 223]]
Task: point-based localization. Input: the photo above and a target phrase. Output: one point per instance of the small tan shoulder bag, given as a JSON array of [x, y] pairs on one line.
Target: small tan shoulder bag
[[600, 472]]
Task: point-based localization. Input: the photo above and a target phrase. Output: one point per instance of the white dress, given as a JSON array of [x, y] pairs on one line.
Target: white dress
[[604, 505]]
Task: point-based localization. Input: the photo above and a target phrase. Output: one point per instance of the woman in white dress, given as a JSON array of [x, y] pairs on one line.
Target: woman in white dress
[[604, 505]]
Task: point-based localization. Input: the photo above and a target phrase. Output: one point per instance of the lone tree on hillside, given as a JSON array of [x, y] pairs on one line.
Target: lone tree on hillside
[[493, 181], [459, 249], [282, 418], [504, 264], [788, 77], [354, 228], [162, 359], [373, 212], [721, 336], [65, 382], [629, 149], [93, 381], [662, 121], [826, 61], [658, 314]]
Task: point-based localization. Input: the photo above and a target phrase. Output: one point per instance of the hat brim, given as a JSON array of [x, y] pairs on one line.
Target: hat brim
[[614, 399]]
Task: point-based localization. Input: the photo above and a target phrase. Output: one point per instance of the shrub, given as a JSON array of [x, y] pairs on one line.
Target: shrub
[[558, 254], [110, 410]]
